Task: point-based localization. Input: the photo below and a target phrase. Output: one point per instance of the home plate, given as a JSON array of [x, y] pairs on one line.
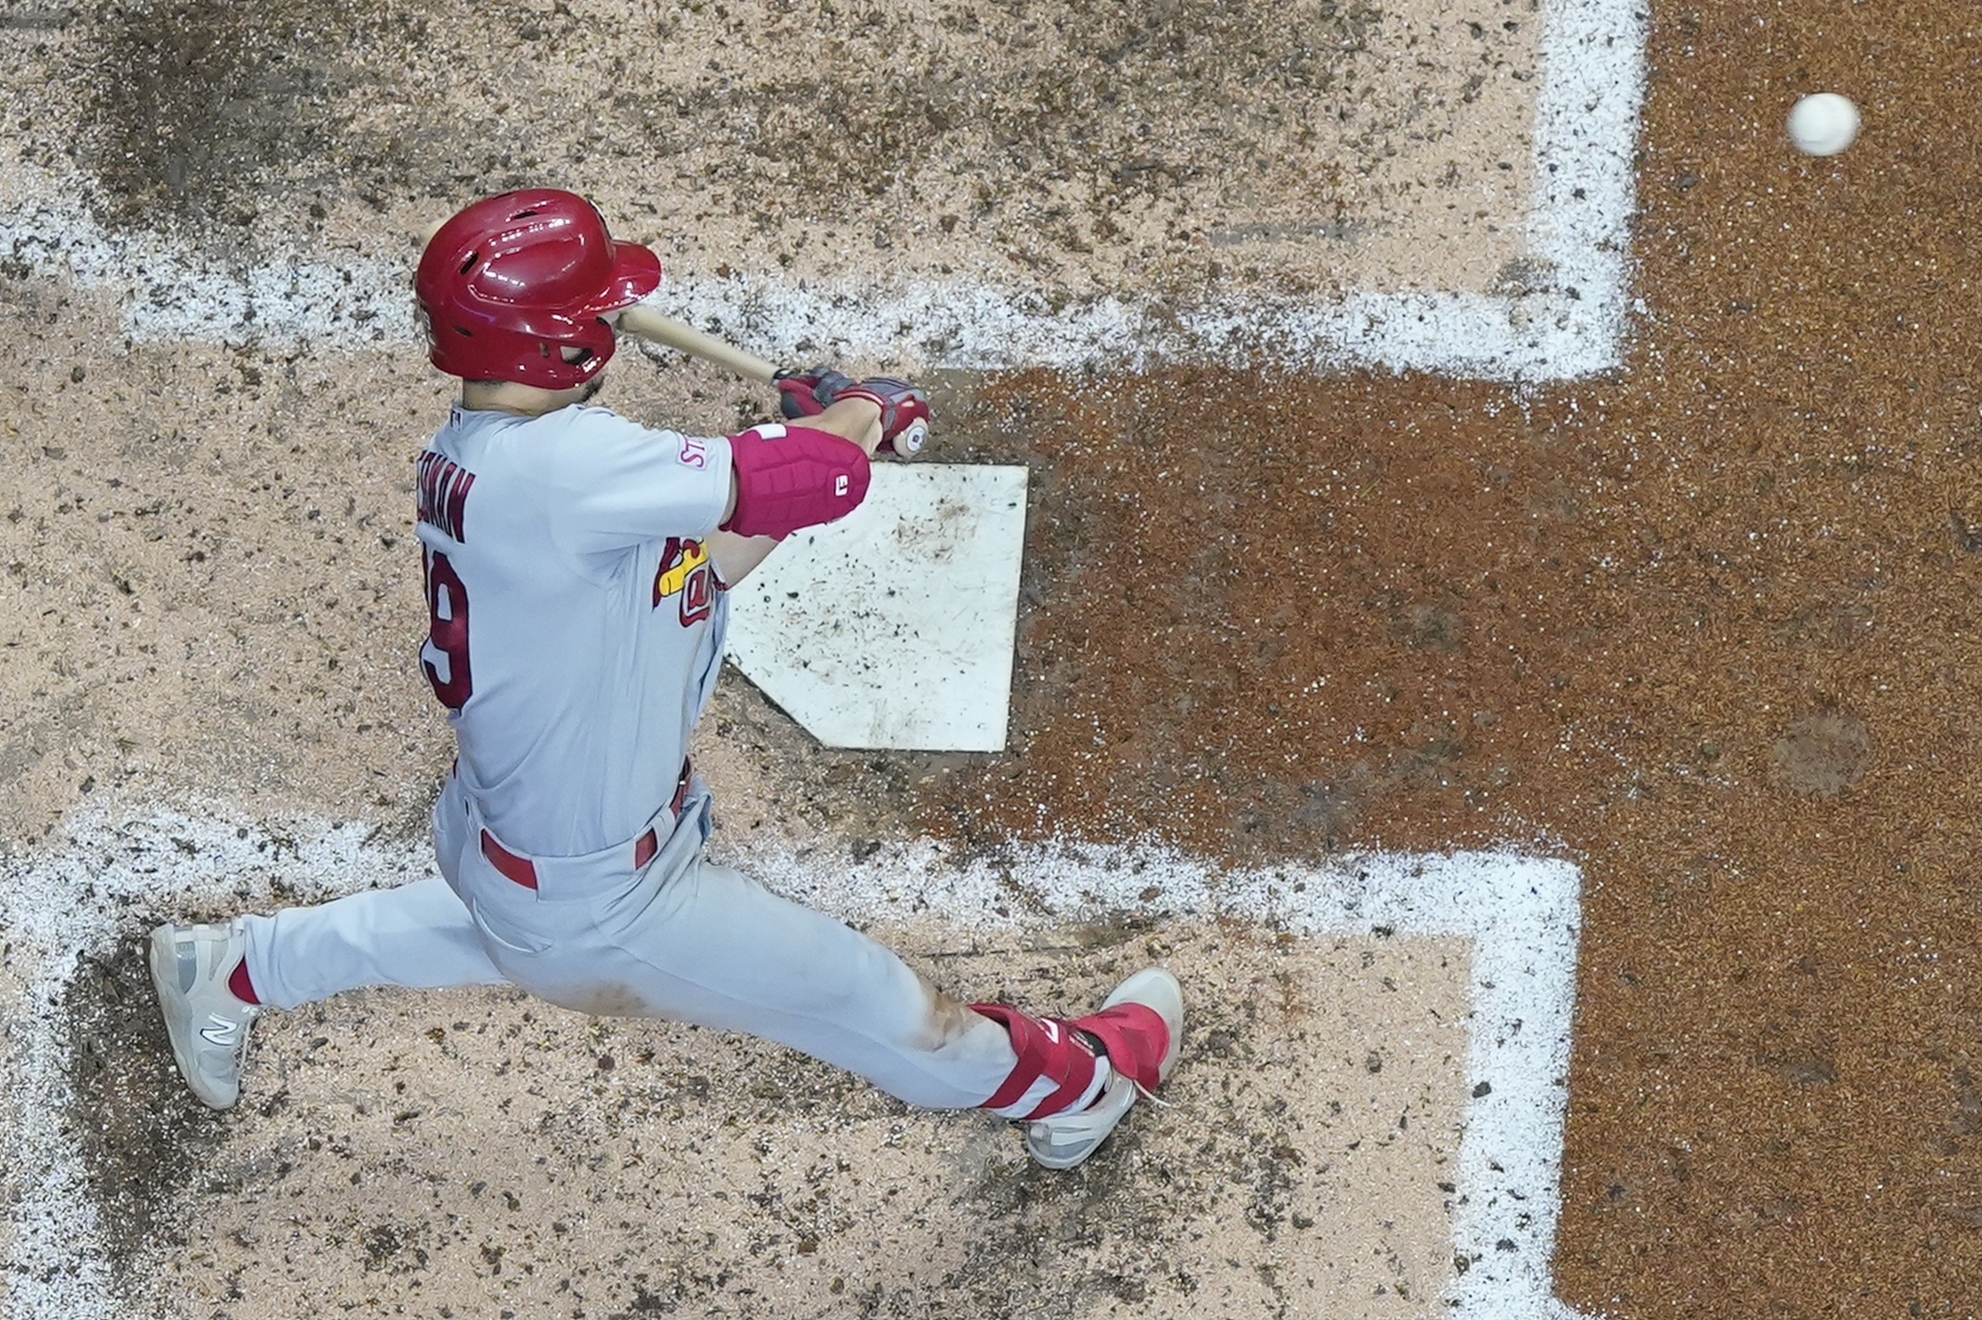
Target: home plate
[[894, 626]]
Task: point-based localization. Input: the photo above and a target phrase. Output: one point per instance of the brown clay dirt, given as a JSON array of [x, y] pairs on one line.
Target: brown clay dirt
[[1708, 625], [1704, 626]]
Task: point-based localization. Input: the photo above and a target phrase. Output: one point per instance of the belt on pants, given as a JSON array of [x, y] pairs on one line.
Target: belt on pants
[[520, 869]]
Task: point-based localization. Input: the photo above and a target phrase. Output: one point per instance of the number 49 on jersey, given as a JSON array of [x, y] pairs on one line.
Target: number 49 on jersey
[[444, 655]]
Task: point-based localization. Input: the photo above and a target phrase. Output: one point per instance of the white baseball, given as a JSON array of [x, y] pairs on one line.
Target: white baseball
[[1823, 124]]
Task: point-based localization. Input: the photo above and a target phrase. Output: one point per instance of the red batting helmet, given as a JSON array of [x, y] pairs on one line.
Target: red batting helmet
[[512, 281]]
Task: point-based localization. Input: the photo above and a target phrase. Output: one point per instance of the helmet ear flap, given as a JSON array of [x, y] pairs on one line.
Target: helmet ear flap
[[521, 276]]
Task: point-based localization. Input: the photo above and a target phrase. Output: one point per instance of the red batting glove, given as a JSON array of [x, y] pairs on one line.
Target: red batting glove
[[810, 392]]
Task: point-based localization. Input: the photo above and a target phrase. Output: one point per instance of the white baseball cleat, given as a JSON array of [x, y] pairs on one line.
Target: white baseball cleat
[[207, 1023], [1141, 1025]]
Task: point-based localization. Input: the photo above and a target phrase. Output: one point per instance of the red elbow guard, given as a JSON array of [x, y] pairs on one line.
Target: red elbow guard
[[788, 477]]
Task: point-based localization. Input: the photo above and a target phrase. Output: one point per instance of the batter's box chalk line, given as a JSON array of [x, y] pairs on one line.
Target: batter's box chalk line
[[1570, 322], [118, 873]]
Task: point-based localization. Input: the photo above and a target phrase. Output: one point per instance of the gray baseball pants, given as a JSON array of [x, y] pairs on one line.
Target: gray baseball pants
[[679, 937]]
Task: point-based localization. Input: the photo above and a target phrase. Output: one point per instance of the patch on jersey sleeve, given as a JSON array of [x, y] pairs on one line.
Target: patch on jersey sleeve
[[686, 573]]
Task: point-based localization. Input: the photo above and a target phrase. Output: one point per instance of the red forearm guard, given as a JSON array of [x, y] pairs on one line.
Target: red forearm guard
[[788, 477]]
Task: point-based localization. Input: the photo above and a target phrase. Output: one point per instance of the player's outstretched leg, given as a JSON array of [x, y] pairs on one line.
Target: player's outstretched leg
[[416, 935], [207, 1021], [1076, 1079]]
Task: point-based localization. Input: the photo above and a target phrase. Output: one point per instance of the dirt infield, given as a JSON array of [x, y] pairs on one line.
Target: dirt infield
[[374, 1174], [1701, 625], [1085, 147]]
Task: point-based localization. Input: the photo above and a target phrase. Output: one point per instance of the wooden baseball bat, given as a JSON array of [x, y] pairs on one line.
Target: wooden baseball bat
[[648, 323], [643, 320]]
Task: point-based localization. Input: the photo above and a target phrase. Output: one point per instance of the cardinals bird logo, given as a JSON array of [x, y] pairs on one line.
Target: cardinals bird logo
[[685, 572]]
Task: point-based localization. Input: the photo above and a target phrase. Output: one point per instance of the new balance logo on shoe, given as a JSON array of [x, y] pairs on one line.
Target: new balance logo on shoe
[[222, 1032]]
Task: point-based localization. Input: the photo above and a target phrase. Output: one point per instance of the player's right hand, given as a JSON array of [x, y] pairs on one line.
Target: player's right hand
[[904, 411]]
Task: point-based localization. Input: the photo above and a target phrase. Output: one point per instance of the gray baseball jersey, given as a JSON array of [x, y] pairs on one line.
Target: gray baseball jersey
[[576, 620]]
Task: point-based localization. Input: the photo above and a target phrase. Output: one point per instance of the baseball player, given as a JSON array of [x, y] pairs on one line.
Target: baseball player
[[577, 566]]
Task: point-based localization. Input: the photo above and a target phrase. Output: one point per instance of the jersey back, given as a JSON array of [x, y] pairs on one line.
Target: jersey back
[[576, 619]]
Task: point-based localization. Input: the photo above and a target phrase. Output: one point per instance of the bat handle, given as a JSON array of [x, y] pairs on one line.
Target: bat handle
[[642, 320], [909, 443]]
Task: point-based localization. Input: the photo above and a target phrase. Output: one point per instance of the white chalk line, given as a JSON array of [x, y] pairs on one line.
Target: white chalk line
[[1520, 915], [1571, 321]]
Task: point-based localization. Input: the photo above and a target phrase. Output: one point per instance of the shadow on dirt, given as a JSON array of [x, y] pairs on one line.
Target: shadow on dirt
[[140, 1132], [202, 106]]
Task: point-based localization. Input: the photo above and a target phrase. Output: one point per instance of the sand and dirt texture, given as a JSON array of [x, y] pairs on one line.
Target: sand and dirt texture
[[478, 1151]]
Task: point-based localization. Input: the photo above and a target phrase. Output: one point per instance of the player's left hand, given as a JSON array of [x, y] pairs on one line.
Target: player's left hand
[[904, 412], [809, 392]]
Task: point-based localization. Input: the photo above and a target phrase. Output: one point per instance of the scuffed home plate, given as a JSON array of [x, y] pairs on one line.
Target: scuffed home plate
[[894, 626]]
